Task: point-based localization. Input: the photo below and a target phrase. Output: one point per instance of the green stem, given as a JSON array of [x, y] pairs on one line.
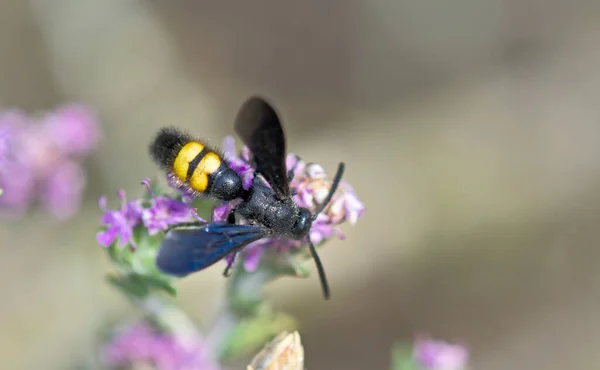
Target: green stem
[[171, 317], [243, 291]]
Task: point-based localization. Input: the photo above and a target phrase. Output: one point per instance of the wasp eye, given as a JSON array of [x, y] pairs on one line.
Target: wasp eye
[[303, 224]]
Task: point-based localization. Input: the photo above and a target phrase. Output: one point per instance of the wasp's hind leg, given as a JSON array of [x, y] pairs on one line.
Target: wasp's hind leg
[[227, 272], [231, 217]]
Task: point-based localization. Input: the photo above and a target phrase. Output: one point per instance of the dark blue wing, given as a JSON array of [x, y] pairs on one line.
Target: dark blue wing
[[189, 249]]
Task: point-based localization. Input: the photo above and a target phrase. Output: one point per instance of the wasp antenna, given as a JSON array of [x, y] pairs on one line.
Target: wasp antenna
[[320, 269], [334, 186]]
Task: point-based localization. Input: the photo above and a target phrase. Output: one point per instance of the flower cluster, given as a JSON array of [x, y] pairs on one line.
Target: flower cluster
[[138, 223], [141, 344], [311, 186], [430, 354], [41, 159], [156, 214]]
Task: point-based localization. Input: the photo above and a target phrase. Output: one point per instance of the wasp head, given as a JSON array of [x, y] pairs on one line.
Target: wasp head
[[303, 223]]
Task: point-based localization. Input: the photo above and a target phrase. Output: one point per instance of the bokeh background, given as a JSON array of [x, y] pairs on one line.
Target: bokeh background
[[470, 130]]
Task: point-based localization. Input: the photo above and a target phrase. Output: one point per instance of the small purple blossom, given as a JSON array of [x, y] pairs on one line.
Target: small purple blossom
[[221, 212], [433, 354], [119, 223], [73, 129], [312, 188], [142, 345], [40, 159], [19, 188], [239, 164], [198, 218], [155, 215], [163, 212], [64, 189], [11, 123], [252, 254]]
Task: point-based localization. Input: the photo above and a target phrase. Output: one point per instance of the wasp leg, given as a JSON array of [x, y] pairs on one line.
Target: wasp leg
[[231, 217], [227, 272], [231, 220]]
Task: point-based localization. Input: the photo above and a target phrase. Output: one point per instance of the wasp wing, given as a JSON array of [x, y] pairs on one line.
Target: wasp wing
[[259, 127], [189, 249]]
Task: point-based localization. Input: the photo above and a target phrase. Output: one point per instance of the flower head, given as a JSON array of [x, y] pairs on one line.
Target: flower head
[[40, 159], [312, 187], [432, 354], [141, 344], [64, 189], [164, 211], [72, 128], [240, 164], [119, 223], [155, 215], [11, 123]]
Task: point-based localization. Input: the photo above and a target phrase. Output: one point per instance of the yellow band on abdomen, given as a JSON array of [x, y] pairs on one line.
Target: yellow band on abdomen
[[207, 165], [184, 157]]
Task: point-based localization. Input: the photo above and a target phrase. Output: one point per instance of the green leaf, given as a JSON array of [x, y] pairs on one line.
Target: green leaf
[[140, 286], [299, 267], [129, 285], [160, 284], [402, 357], [113, 253], [204, 208]]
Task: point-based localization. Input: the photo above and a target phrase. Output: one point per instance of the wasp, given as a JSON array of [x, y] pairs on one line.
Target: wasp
[[267, 207]]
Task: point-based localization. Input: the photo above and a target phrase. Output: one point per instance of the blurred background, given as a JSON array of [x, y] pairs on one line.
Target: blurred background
[[470, 131]]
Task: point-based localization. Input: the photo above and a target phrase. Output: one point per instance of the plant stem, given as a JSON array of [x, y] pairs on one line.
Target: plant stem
[[243, 289], [171, 317]]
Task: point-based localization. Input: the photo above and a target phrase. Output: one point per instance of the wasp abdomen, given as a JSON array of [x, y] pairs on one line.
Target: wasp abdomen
[[194, 166]]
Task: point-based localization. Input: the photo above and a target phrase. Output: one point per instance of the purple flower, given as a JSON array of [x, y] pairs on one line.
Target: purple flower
[[252, 254], [142, 345], [11, 124], [238, 164], [119, 223], [19, 188], [432, 354], [345, 206], [322, 229], [313, 187], [164, 211], [155, 215], [16, 177], [40, 159], [221, 212], [63, 189], [72, 128]]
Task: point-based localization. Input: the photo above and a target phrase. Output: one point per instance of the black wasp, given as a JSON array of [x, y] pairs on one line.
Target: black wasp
[[270, 211]]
